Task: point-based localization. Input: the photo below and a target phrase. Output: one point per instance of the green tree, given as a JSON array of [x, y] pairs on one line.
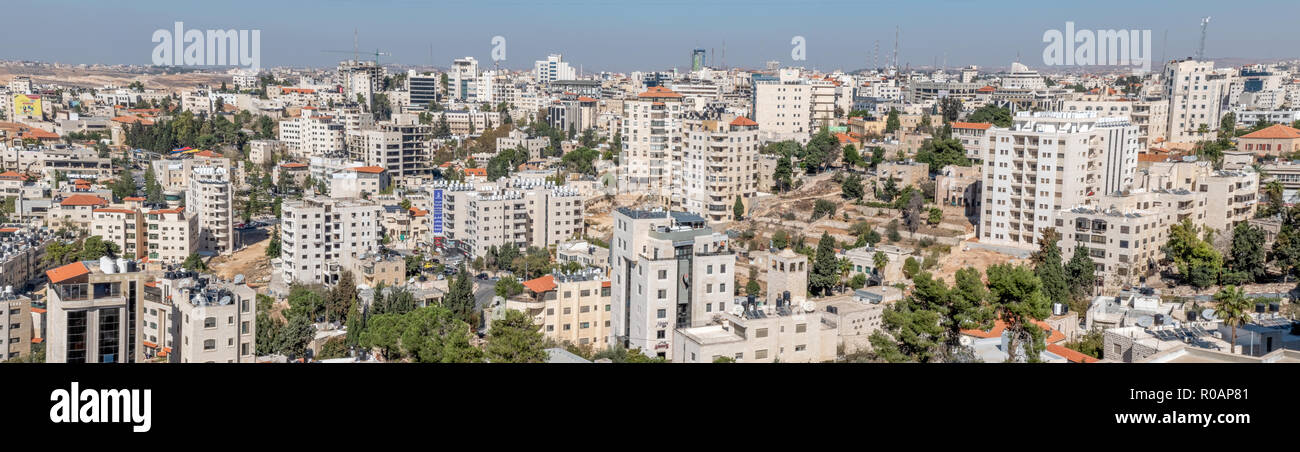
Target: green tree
[[851, 187], [783, 174], [508, 287], [1016, 298], [1049, 267], [911, 267], [892, 122], [825, 269], [1198, 263], [434, 335], [995, 115], [1080, 276], [293, 338], [460, 296], [1233, 310], [194, 263], [1248, 257], [738, 209], [515, 339]]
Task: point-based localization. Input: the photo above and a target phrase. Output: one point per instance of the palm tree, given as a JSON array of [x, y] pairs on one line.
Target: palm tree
[[845, 266], [1233, 310], [881, 260]]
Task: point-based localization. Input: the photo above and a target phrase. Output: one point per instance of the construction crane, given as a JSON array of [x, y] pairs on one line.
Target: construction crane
[[1200, 49], [354, 53]]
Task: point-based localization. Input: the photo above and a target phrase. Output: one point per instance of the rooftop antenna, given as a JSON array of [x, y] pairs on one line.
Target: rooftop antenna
[[897, 32], [1200, 50], [875, 59], [1164, 44]]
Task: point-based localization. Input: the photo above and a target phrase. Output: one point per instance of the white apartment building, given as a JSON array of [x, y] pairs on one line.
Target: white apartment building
[[1050, 160], [401, 149], [526, 213], [1196, 94], [215, 321], [317, 231], [652, 142], [783, 110], [173, 235], [462, 80], [1150, 116], [211, 198], [668, 270], [553, 68], [311, 134], [719, 165], [122, 227], [1231, 196]]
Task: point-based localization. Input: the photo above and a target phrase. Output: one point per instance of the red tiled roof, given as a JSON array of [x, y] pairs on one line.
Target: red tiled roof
[[539, 285], [476, 172], [368, 169], [585, 99], [742, 121], [133, 198], [986, 89], [12, 175], [163, 211], [416, 212], [108, 210], [208, 154], [83, 200], [132, 120], [67, 272], [658, 92], [1071, 355], [38, 310], [971, 125], [1275, 132], [293, 165], [8, 229]]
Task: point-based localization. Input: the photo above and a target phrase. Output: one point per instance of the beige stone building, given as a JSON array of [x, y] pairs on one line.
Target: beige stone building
[[573, 308], [719, 166], [904, 174], [173, 235], [122, 227], [90, 313], [15, 326]]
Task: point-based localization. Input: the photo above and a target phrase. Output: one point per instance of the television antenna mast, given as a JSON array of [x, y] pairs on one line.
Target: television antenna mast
[[1200, 50]]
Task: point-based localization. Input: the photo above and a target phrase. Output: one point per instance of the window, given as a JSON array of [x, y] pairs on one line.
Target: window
[[662, 313], [210, 322], [801, 328], [661, 334], [760, 354], [210, 344], [762, 332]]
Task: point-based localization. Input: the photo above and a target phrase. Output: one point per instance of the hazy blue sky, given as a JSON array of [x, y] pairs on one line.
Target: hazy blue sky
[[625, 36]]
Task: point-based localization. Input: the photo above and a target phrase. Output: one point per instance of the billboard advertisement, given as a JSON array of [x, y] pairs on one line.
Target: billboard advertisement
[[27, 105]]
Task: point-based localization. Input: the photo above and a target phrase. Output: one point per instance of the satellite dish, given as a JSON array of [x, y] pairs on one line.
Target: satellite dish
[[1208, 314], [737, 310], [965, 341], [808, 306]]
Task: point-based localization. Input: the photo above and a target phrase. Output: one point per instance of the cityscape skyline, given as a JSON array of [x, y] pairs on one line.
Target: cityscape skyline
[[316, 35]]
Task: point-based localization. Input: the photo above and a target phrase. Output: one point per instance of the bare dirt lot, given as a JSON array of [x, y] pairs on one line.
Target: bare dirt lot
[[99, 77], [251, 261]]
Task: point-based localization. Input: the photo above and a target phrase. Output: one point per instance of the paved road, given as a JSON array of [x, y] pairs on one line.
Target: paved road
[[483, 295]]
